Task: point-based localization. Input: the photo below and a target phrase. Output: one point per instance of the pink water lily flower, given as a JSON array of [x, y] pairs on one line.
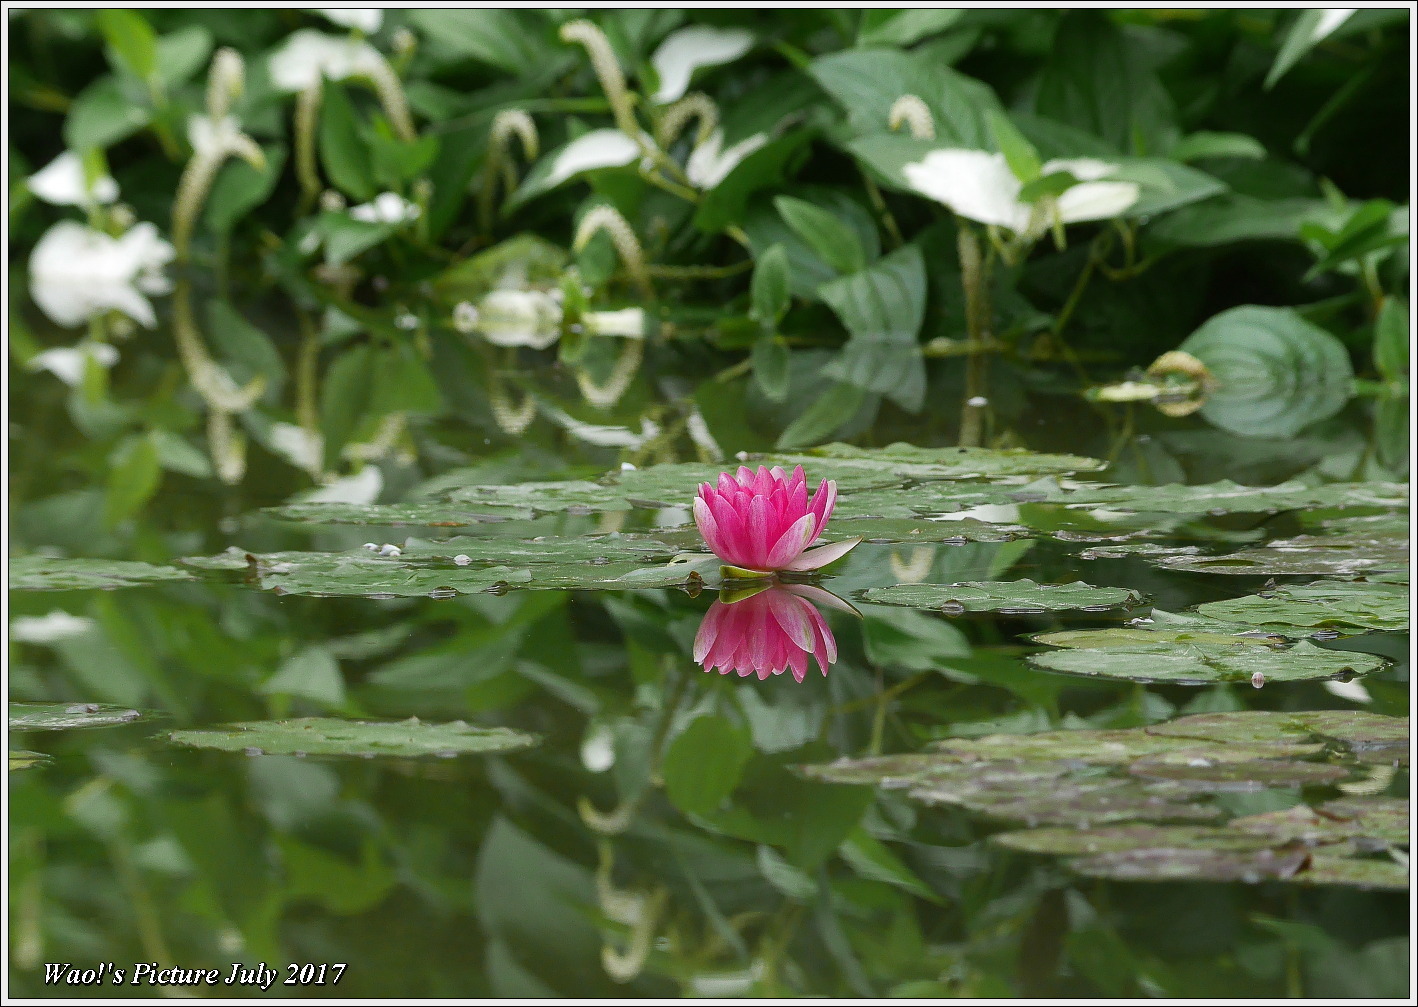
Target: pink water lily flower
[[763, 521], [768, 632]]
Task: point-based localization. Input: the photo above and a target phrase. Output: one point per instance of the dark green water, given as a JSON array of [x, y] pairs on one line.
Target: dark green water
[[659, 839]]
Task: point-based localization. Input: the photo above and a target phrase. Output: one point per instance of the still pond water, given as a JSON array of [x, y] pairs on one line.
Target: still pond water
[[1084, 730]]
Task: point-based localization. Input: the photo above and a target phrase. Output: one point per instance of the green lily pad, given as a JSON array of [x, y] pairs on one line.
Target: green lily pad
[[68, 716], [1354, 872], [1184, 864], [407, 739], [1209, 663], [1128, 636], [1374, 819], [20, 759], [1354, 728], [1019, 597], [50, 573], [418, 514], [1118, 747], [501, 565], [1327, 603], [1066, 842], [1198, 771], [1314, 555]]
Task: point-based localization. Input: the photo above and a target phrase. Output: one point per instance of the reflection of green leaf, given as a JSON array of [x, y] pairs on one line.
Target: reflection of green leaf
[[882, 308], [1018, 597], [703, 764], [408, 739], [1391, 336], [1274, 372], [834, 242]]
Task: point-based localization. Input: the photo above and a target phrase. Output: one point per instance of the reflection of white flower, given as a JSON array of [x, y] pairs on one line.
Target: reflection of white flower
[[305, 449], [57, 625], [710, 164], [600, 148], [62, 182], [78, 273], [361, 488], [212, 136], [686, 50], [980, 186], [386, 208], [67, 362], [520, 318], [628, 323], [308, 55], [366, 19]]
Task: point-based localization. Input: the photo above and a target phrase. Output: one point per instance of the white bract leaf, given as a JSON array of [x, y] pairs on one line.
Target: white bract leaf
[[710, 164], [386, 208], [78, 273], [520, 318], [1330, 19], [302, 448], [628, 323], [361, 488], [67, 362], [57, 625], [600, 148], [366, 19], [309, 55], [978, 185], [688, 49], [62, 183], [212, 136]]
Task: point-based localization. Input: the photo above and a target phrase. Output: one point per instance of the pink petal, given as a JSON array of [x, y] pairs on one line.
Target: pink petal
[[791, 543], [816, 559], [708, 527], [733, 538], [744, 476], [757, 532], [790, 618], [708, 631], [822, 503]]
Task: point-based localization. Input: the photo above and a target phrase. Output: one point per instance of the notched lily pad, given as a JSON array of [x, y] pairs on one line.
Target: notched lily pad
[[50, 573], [406, 739], [1019, 597], [1207, 663], [1361, 604], [69, 716]]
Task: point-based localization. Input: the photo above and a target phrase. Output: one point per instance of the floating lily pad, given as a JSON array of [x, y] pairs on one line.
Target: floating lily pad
[[1327, 603], [1019, 597], [420, 514], [1128, 636], [1209, 663], [1354, 872], [1200, 771], [1183, 864], [1066, 842], [501, 565], [50, 573], [408, 739], [1378, 820], [1314, 555], [1355, 728], [68, 716], [27, 760]]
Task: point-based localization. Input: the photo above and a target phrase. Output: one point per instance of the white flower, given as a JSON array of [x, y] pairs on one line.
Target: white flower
[[600, 148], [212, 136], [709, 164], [979, 185], [308, 55], [303, 448], [628, 323], [62, 183], [686, 50], [386, 208], [78, 273], [519, 318], [366, 19], [57, 625], [362, 488], [67, 362]]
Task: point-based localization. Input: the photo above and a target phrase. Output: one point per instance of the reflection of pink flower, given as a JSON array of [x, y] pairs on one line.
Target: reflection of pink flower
[[763, 521], [768, 632]]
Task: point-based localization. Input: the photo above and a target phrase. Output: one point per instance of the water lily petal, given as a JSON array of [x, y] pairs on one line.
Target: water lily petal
[[816, 559], [791, 543]]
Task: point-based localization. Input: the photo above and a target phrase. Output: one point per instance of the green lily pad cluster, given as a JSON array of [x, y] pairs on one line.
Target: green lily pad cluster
[[1018, 597], [326, 736], [1148, 803]]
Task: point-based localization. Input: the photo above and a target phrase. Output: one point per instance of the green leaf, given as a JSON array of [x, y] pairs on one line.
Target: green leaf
[[131, 41], [1373, 227], [344, 396], [902, 28], [770, 292], [405, 739], [704, 763], [770, 367], [247, 350], [240, 188], [1274, 372], [343, 153], [1202, 145], [1309, 29], [101, 115], [501, 38], [181, 54], [311, 673], [837, 404], [132, 480], [1019, 153], [1391, 339], [882, 309], [833, 241]]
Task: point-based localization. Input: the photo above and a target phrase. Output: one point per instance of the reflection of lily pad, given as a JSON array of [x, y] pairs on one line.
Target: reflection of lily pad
[[49, 573], [27, 760], [329, 736], [1327, 603], [67, 716], [1019, 597], [1209, 663]]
